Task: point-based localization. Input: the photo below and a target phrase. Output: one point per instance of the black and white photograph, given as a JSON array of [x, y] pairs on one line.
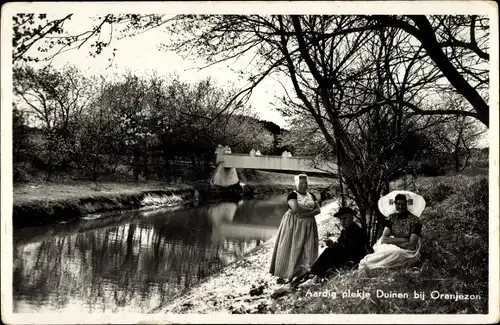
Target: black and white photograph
[[299, 161]]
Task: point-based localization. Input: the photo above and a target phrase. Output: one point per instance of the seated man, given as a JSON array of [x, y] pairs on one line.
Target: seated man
[[351, 246], [400, 241]]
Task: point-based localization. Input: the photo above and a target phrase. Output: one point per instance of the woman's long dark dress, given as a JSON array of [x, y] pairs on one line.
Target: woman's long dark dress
[[296, 246]]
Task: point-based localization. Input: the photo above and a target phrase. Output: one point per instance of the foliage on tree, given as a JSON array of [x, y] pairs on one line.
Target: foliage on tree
[[54, 99], [97, 125], [456, 139], [41, 36]]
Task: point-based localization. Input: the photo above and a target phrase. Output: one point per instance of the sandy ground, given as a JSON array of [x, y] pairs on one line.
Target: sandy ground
[[229, 290]]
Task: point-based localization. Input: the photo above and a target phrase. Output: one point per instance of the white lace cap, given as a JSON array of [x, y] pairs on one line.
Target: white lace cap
[[297, 178]]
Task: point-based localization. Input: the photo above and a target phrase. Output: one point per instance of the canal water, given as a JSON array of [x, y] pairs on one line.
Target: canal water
[[134, 261]]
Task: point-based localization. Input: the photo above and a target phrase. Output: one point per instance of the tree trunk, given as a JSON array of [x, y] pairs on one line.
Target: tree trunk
[[136, 164], [94, 168], [341, 185], [146, 161], [467, 157], [456, 155], [50, 166], [167, 168], [206, 171], [194, 166]]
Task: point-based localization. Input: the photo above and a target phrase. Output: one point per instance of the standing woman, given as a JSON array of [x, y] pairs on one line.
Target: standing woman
[[297, 240]]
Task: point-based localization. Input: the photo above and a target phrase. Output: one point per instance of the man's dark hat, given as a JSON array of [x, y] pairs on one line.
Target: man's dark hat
[[345, 210]]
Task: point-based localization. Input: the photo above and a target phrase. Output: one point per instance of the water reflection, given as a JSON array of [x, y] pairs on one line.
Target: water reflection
[[138, 263]]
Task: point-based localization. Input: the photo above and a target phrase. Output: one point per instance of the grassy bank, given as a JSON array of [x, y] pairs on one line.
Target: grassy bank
[[454, 260], [46, 203], [39, 203]]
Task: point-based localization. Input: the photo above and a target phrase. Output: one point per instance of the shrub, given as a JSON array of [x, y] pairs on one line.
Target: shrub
[[432, 165], [477, 193], [475, 204], [438, 192], [480, 163], [19, 174]]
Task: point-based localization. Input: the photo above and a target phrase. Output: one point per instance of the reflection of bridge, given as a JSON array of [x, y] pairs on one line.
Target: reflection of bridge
[[245, 231], [225, 173], [224, 225], [224, 220]]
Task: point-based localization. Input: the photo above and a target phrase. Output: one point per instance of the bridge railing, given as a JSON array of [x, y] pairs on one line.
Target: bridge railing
[[248, 155], [220, 156], [305, 164]]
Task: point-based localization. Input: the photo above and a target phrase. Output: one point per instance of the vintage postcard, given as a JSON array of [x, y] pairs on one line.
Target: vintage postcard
[[250, 162]]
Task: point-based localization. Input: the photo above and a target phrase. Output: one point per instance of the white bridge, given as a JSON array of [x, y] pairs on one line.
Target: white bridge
[[225, 172]]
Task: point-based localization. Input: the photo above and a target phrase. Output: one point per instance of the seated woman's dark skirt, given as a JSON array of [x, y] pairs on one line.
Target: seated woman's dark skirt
[[333, 257]]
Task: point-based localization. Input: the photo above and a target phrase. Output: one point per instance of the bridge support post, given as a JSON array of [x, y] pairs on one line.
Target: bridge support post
[[222, 176]]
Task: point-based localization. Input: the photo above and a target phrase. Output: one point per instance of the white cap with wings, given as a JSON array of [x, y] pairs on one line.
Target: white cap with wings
[[415, 202]]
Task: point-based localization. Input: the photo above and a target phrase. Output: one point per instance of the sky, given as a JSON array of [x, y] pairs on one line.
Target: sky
[[141, 55]]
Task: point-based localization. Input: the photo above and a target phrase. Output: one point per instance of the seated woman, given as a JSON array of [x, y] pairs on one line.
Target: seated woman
[[400, 241]]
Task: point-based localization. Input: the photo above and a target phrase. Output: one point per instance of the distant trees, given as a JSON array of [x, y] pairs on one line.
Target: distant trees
[[145, 125], [240, 129], [19, 135], [55, 99], [305, 138], [20, 143], [278, 135], [456, 138]]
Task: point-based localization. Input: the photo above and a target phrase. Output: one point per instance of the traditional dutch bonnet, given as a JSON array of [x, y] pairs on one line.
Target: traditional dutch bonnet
[[297, 178], [415, 202]]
